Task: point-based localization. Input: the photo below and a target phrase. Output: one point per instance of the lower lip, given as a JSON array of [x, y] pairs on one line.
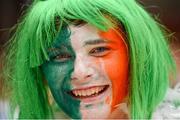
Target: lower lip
[[94, 98]]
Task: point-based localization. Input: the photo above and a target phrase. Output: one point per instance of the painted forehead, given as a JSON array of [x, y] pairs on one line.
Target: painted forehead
[[89, 35], [71, 62]]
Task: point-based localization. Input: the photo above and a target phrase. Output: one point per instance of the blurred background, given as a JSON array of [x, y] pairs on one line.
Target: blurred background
[[165, 11]]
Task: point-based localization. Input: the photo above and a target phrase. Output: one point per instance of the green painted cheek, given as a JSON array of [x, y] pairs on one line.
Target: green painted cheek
[[58, 75]]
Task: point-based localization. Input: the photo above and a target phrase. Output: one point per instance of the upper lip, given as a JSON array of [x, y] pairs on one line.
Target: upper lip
[[88, 86], [88, 91]]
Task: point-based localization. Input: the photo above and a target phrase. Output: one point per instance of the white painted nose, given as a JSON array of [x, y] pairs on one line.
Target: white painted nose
[[82, 70]]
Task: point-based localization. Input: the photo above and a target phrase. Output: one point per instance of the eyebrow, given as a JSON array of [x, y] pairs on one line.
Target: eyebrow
[[95, 42], [62, 47]]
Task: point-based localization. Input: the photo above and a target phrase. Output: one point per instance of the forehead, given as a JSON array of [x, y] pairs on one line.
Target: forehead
[[85, 27], [82, 34], [89, 35], [86, 34]]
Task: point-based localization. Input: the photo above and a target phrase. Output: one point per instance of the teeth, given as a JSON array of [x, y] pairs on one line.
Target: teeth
[[88, 92], [97, 90], [84, 93], [101, 88], [79, 94], [74, 92]]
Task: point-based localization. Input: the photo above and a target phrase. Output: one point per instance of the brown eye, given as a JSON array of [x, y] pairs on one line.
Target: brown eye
[[99, 51], [62, 57]]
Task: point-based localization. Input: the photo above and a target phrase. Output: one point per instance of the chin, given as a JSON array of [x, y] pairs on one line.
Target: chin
[[96, 112], [95, 101]]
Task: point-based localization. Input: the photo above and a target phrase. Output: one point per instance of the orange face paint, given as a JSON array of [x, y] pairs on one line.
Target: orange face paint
[[100, 65], [116, 65]]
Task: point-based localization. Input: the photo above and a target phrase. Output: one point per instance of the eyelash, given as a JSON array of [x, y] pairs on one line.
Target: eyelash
[[99, 51], [96, 52], [62, 57]]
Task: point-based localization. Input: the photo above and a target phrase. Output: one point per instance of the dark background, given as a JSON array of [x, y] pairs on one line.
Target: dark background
[[166, 10]]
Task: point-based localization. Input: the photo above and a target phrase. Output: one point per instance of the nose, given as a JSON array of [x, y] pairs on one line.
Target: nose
[[82, 70]]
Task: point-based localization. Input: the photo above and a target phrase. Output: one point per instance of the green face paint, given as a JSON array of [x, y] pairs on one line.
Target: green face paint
[[77, 71], [58, 71]]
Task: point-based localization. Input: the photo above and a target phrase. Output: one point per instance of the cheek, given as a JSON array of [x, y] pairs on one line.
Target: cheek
[[117, 70], [55, 75], [58, 77], [116, 66]]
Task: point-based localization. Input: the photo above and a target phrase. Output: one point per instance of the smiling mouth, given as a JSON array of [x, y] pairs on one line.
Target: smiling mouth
[[88, 92]]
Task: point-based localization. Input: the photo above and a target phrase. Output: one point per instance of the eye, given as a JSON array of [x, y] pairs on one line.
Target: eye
[[99, 51], [62, 57]]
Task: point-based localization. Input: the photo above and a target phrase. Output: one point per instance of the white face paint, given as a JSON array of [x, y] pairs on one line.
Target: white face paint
[[90, 82], [88, 70]]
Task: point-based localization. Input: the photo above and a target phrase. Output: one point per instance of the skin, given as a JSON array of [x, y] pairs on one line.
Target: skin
[[84, 57], [57, 72], [119, 57]]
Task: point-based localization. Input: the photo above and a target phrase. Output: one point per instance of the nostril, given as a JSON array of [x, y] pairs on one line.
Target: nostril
[[75, 78], [88, 76], [80, 78]]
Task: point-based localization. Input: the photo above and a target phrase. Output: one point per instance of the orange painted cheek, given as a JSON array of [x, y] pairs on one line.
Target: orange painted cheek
[[117, 71], [116, 66]]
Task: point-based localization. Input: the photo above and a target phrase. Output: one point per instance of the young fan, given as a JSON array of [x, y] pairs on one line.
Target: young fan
[[94, 55]]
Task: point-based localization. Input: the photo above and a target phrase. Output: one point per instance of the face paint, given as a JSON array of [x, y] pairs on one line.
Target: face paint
[[118, 60], [91, 84], [57, 72], [86, 72], [96, 54]]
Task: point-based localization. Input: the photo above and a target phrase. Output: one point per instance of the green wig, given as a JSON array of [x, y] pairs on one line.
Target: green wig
[[150, 60]]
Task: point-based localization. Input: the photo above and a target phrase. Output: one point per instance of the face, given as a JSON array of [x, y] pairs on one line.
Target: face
[[88, 71]]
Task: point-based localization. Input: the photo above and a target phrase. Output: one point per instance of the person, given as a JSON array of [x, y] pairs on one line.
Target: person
[[100, 59]]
